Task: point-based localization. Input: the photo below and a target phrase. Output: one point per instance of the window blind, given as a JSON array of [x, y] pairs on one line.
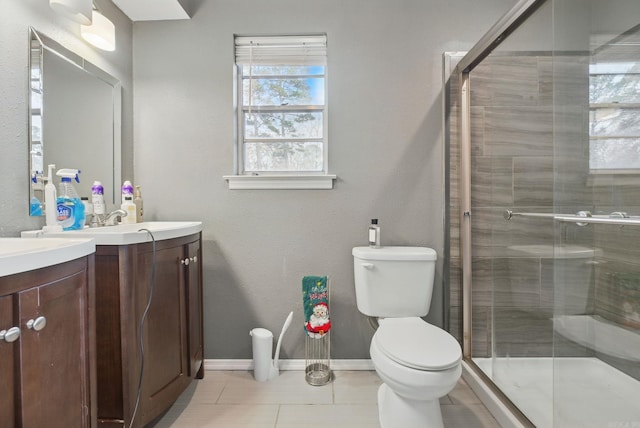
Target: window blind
[[276, 50]]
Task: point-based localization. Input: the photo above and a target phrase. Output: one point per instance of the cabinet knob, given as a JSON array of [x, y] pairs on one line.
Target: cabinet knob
[[194, 259], [37, 324], [185, 261], [10, 335]]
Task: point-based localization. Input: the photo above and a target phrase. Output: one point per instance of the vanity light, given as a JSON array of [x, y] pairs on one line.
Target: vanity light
[[76, 10], [101, 33]]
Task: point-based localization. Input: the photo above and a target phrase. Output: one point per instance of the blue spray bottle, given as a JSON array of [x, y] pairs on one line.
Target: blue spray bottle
[[71, 215]]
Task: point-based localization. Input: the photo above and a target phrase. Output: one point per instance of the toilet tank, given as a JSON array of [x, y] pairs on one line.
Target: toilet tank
[[571, 278], [394, 281]]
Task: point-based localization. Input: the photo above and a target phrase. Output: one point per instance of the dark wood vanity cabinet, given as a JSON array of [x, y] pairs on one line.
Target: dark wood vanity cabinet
[[7, 350], [194, 303], [166, 277], [48, 369]]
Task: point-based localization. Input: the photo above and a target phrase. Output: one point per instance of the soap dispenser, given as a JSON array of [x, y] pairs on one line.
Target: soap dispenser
[[137, 199], [374, 234], [130, 208]]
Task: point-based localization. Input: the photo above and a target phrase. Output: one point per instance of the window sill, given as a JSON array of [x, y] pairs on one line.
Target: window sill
[[280, 182], [617, 178]]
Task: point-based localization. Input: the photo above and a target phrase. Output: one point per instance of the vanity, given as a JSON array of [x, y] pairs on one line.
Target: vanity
[[128, 318], [149, 271], [47, 340], [127, 276]]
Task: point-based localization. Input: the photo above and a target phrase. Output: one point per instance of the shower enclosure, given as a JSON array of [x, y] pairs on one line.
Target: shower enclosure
[[543, 144]]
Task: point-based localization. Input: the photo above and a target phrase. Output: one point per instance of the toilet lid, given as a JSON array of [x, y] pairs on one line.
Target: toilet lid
[[414, 343]]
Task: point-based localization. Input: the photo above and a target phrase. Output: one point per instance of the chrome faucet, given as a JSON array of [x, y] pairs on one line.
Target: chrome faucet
[[113, 216]]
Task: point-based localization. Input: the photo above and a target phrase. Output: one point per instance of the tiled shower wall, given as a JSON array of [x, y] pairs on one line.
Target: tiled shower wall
[[617, 273], [513, 150], [512, 168]]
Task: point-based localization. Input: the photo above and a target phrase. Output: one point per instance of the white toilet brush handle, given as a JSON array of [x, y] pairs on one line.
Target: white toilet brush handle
[[286, 325]]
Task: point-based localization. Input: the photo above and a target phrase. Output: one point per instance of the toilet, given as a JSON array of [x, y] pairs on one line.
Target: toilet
[[418, 362]]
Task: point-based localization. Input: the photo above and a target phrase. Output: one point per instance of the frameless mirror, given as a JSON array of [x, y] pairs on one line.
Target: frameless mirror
[[74, 120]]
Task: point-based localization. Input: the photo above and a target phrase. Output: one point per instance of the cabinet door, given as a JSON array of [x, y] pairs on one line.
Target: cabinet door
[[7, 350], [54, 353], [165, 362], [194, 290]]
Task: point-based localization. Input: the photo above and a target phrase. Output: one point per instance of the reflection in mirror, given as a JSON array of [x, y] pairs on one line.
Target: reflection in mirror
[[614, 105], [74, 120]]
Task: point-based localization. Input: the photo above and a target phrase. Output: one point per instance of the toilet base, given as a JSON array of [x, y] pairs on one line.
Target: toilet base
[[395, 411]]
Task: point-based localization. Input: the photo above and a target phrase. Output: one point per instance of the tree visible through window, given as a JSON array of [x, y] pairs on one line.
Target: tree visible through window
[[614, 117], [281, 107]]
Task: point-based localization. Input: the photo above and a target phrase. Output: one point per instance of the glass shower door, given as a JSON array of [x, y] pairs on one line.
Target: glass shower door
[[512, 253], [548, 272], [596, 320]]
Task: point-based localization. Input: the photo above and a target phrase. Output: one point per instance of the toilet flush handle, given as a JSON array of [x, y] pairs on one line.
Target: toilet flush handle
[[368, 265]]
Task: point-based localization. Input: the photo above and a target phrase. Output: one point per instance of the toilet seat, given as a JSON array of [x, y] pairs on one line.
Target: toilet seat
[[414, 343]]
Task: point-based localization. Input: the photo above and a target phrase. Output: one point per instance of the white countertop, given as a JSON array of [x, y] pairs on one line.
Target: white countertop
[[125, 234], [19, 255]]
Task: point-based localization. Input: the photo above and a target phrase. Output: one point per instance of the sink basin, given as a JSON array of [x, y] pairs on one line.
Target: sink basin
[[124, 234], [20, 255]]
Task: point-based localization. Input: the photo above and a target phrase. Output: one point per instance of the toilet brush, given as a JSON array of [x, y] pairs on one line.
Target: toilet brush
[[275, 370]]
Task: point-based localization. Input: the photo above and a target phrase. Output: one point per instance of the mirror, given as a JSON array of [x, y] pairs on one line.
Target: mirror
[[74, 121], [614, 97]]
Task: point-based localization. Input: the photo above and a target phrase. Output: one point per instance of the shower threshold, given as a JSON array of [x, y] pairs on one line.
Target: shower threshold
[[566, 392]]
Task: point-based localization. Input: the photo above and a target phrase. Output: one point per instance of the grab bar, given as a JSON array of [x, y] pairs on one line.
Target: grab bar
[[508, 214]]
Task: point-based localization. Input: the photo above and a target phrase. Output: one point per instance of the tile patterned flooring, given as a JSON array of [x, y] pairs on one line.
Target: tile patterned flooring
[[233, 399]]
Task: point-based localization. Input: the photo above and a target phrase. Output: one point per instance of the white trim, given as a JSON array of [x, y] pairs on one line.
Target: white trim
[[500, 412], [284, 50], [292, 364], [253, 182]]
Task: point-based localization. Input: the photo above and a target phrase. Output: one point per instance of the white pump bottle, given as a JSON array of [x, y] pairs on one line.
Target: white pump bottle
[[50, 203]]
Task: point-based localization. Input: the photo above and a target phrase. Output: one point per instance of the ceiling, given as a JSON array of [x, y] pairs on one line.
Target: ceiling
[[152, 10]]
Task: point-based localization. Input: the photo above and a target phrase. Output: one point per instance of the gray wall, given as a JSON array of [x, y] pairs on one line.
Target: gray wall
[[386, 147], [15, 20]]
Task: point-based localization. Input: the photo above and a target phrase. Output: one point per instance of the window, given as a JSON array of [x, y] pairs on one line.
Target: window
[[614, 118], [281, 106]]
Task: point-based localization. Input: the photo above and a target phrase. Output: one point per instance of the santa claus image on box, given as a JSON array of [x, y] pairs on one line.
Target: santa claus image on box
[[319, 323]]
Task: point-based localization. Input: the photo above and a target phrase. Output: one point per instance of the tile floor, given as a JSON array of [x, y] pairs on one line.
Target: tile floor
[[233, 399]]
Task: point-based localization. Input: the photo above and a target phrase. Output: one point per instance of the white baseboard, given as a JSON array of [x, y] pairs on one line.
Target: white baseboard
[[292, 364]]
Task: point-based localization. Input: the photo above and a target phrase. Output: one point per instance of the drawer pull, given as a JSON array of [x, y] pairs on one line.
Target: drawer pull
[[10, 335], [37, 324]]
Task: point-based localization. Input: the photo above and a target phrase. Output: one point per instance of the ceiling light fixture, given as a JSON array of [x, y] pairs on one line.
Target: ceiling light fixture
[[101, 33], [76, 10]]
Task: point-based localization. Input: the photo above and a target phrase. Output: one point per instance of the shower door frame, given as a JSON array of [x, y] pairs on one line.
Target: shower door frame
[[461, 75], [492, 39]]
